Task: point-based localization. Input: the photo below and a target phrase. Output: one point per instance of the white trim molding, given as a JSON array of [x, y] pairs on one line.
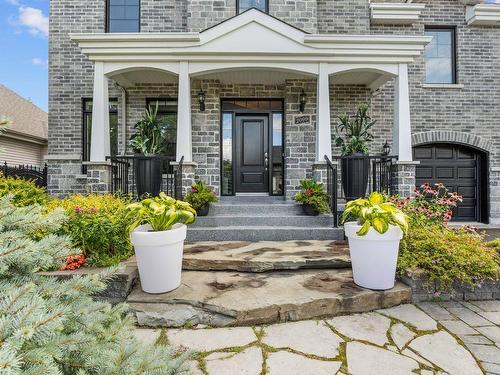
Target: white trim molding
[[395, 13], [483, 15]]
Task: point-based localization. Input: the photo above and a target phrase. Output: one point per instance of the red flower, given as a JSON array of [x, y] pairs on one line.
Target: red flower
[[194, 190], [74, 262]]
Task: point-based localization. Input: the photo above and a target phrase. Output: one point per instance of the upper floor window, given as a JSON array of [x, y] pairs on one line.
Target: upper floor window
[[123, 16], [440, 64], [243, 5]]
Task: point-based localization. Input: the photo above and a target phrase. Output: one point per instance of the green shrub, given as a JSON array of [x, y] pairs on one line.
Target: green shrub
[[200, 195], [98, 225], [53, 326], [448, 255], [24, 192], [313, 193]]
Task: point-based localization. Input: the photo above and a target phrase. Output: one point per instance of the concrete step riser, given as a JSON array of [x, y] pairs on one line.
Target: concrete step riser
[[264, 234], [272, 221], [255, 210]]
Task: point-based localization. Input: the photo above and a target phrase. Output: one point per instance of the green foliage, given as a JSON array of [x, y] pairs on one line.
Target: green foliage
[[353, 133], [200, 195], [98, 225], [375, 212], [448, 255], [161, 213], [53, 326], [313, 193], [150, 137], [23, 192]]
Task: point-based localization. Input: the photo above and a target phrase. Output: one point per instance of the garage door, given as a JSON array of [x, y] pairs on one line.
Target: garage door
[[459, 169]]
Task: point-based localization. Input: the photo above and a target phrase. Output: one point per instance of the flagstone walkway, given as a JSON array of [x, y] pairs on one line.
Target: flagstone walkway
[[429, 338]]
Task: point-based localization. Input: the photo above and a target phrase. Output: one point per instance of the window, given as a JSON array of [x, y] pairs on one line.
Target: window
[[440, 65], [167, 114], [123, 16], [243, 5], [87, 128]]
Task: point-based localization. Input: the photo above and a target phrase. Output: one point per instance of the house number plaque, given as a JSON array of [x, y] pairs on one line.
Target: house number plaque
[[302, 120]]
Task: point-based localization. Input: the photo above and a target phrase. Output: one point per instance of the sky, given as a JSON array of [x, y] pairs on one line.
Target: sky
[[24, 29]]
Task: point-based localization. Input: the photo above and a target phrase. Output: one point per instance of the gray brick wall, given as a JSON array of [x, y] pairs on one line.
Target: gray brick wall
[[470, 109]]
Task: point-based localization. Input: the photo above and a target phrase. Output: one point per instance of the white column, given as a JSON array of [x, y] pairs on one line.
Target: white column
[[184, 139], [100, 139], [402, 124], [323, 126]]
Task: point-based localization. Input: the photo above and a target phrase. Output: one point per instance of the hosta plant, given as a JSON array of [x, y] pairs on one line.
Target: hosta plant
[[161, 213], [375, 212]]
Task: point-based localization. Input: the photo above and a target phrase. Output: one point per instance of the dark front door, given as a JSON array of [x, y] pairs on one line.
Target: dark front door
[[459, 169], [252, 154]]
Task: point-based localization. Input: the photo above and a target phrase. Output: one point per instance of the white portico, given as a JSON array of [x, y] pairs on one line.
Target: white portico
[[252, 41]]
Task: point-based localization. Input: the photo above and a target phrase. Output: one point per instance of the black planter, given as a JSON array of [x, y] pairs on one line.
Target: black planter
[[355, 171], [148, 176], [309, 210], [203, 210]]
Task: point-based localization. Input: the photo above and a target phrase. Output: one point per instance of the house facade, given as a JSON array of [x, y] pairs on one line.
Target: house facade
[[252, 90]]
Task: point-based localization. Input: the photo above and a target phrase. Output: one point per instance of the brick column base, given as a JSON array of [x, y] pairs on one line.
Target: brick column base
[[403, 177], [188, 176], [98, 177]]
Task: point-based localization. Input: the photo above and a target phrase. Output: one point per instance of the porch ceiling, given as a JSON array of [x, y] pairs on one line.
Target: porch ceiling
[[253, 76]]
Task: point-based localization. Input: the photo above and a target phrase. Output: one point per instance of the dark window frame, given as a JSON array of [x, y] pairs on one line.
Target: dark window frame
[[108, 13], [85, 150], [238, 7], [454, 56]]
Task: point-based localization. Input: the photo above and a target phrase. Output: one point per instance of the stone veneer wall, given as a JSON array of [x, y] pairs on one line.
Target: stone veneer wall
[[343, 16]]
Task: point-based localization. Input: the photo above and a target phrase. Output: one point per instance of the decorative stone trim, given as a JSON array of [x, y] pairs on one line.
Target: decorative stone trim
[[483, 15], [453, 86], [468, 139], [396, 13]]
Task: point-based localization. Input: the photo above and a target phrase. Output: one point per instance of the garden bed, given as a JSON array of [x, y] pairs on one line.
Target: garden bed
[[423, 291], [119, 287]]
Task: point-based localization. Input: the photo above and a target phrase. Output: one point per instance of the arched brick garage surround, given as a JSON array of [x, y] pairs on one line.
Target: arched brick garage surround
[[467, 139]]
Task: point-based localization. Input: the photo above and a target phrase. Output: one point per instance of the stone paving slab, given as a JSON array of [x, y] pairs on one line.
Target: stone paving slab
[[234, 298], [412, 315], [352, 344], [264, 256]]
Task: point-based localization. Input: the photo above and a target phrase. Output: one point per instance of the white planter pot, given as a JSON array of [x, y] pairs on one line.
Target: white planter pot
[[159, 257], [374, 257]]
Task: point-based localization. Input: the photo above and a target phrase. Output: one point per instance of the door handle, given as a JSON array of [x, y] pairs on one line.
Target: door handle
[[266, 161]]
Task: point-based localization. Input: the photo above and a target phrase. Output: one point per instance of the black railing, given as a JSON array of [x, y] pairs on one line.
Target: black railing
[[27, 172], [331, 187], [123, 174], [381, 172]]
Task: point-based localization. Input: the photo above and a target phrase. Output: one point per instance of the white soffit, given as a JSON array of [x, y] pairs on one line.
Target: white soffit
[[483, 15], [395, 13]]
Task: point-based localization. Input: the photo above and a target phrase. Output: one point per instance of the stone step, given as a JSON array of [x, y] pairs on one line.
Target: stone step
[[255, 209], [265, 255], [235, 299], [263, 233], [272, 221]]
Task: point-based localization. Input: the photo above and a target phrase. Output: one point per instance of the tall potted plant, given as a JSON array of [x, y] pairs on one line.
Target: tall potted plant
[[353, 136], [374, 238], [158, 231], [148, 142]]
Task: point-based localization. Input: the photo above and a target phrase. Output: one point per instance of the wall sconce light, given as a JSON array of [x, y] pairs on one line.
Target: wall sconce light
[[201, 100], [386, 149], [303, 101]]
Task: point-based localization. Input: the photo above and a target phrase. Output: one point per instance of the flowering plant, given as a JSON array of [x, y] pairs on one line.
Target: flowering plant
[[73, 262], [200, 195], [431, 203], [313, 193]]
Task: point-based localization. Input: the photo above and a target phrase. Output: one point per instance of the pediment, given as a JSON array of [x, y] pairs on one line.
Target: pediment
[[253, 31]]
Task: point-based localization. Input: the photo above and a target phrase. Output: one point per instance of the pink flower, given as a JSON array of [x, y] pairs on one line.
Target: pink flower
[[78, 210]]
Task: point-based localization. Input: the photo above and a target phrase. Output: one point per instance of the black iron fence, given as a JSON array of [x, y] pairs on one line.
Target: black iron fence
[[380, 173], [123, 174], [27, 172]]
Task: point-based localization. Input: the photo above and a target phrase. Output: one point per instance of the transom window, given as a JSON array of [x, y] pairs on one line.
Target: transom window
[[440, 64], [123, 16], [243, 5]]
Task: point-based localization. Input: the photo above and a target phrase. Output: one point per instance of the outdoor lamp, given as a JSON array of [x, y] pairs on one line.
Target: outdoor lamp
[[303, 101], [386, 149], [201, 100]]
